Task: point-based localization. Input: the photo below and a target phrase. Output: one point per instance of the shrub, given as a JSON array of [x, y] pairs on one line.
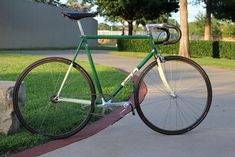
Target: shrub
[[227, 50], [135, 45], [216, 49], [201, 48]]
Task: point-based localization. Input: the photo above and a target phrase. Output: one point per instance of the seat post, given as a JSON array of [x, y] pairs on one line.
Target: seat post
[[80, 27]]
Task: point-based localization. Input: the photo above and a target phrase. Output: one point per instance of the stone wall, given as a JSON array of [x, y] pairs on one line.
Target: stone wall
[[8, 120]]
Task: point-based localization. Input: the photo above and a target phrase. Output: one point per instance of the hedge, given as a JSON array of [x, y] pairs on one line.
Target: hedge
[[216, 49]]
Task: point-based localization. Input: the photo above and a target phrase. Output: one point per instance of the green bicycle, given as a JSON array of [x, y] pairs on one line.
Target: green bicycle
[[172, 96]]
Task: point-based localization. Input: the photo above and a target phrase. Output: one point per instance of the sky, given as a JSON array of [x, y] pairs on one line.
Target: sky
[[192, 12]]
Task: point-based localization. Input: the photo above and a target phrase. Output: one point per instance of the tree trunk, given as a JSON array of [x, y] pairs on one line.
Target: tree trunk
[[123, 28], [184, 42], [130, 27], [207, 35]]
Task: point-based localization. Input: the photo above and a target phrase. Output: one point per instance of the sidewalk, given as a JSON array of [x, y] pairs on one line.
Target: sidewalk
[[130, 137]]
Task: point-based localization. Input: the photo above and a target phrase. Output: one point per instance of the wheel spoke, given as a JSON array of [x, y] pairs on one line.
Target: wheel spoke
[[174, 114], [44, 115]]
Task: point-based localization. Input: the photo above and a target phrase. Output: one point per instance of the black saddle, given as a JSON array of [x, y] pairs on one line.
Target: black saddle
[[78, 16]]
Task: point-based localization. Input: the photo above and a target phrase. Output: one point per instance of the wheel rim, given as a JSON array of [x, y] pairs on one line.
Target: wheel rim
[[187, 108], [40, 113]]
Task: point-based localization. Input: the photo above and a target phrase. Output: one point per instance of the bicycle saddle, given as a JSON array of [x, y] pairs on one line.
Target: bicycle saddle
[[77, 16]]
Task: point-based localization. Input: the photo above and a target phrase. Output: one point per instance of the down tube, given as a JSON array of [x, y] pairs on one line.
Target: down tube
[[130, 76]]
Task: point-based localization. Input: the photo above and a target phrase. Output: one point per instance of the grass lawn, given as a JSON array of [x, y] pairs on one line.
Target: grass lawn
[[10, 67], [205, 61]]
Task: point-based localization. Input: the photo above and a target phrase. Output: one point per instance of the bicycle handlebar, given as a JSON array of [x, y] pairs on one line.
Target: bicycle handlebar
[[165, 27]]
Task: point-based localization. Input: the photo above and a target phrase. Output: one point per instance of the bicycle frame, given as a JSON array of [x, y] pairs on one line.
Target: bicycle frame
[[106, 103], [64, 99]]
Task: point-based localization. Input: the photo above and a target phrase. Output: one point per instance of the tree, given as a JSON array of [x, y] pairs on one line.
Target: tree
[[72, 1], [133, 10], [224, 9], [207, 35], [228, 28], [184, 42], [207, 31], [221, 9], [198, 27], [103, 26]]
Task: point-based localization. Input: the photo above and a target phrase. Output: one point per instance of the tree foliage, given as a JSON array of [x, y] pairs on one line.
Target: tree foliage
[[228, 29], [134, 10], [221, 9], [220, 28], [77, 5], [104, 26], [224, 9], [198, 27], [52, 2]]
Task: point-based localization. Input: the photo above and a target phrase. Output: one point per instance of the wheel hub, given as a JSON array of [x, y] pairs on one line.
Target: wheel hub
[[54, 99], [173, 95]]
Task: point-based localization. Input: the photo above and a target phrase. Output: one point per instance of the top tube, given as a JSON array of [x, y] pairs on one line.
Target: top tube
[[164, 27], [117, 36]]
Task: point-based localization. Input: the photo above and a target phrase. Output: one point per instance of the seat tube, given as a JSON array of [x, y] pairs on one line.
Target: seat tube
[[97, 81], [80, 28], [85, 43]]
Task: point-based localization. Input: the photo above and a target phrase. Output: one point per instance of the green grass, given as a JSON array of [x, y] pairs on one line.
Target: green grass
[[215, 62], [205, 61], [10, 67]]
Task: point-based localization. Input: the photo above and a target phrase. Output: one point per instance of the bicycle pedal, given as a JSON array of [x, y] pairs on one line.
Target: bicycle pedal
[[121, 113], [125, 108], [133, 112]]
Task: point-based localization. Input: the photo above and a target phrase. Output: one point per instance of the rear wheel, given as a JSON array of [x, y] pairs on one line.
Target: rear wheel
[[176, 113], [42, 113]]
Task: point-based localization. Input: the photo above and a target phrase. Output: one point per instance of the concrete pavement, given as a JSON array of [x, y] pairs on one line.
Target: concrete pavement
[[130, 137]]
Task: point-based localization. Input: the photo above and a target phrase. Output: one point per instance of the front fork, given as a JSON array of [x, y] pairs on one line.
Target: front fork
[[160, 60]]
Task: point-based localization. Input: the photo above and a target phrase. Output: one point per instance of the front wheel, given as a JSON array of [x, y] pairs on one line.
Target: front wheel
[[42, 113], [178, 107]]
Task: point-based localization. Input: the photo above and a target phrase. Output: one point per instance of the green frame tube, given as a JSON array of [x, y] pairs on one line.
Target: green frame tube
[[117, 36], [84, 41]]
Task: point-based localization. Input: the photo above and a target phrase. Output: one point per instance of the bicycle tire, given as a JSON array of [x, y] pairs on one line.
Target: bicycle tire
[[41, 115], [152, 110]]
